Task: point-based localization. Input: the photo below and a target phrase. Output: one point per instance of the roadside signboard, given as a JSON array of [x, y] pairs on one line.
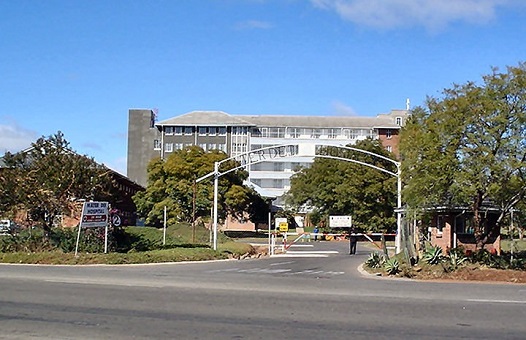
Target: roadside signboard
[[282, 224], [94, 214], [340, 221]]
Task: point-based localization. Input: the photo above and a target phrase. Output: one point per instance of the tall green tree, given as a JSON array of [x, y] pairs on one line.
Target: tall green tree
[[468, 148], [48, 178], [171, 183], [335, 187]]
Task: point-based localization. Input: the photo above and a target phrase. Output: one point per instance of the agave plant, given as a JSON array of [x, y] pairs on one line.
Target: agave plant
[[392, 266], [375, 260], [433, 255], [456, 259]]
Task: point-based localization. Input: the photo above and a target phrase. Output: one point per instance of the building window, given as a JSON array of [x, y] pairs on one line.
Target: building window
[[240, 130], [388, 134], [212, 131], [202, 131], [399, 121], [277, 183], [221, 146], [187, 130], [316, 133], [295, 132], [169, 147], [178, 146], [222, 131], [156, 144], [333, 133], [440, 224], [263, 132], [202, 146], [169, 130], [277, 132], [389, 148], [178, 130], [463, 225]]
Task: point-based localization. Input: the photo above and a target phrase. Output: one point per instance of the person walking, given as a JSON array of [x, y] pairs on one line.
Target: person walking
[[316, 231], [353, 239]]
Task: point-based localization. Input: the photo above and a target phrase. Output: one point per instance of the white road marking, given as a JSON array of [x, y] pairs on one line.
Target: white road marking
[[299, 255], [281, 263], [313, 252], [496, 301]]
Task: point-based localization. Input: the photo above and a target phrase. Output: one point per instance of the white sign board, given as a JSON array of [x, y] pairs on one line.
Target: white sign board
[[94, 214], [340, 221]]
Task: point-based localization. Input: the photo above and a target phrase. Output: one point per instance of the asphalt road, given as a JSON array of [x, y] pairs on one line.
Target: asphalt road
[[313, 292]]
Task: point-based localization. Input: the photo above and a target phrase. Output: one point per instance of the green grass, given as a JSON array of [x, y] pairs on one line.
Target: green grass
[[147, 247]]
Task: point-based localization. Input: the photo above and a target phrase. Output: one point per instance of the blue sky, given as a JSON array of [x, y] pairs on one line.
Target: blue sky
[[78, 66]]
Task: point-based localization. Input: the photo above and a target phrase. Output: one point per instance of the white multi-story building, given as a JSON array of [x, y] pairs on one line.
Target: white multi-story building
[[239, 134]]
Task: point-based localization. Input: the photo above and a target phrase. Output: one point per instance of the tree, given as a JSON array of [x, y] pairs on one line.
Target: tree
[[469, 149], [48, 178], [171, 183], [335, 187]]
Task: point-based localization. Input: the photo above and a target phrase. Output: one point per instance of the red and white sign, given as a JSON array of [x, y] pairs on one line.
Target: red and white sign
[[94, 214]]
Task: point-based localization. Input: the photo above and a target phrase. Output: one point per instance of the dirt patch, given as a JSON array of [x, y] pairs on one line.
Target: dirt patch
[[474, 273]]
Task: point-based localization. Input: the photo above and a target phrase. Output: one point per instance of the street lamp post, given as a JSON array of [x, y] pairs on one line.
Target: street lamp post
[[398, 238], [216, 189]]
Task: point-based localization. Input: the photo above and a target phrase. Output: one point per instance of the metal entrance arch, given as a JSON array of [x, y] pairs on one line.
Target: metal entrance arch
[[292, 150]]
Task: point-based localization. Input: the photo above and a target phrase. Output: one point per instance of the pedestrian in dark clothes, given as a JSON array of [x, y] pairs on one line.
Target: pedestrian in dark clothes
[[353, 239]]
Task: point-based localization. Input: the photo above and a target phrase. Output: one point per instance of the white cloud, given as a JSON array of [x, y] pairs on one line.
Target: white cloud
[[14, 138], [432, 14], [341, 109], [253, 24]]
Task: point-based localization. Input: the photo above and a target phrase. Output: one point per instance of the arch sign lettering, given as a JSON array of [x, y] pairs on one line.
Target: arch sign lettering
[[268, 153]]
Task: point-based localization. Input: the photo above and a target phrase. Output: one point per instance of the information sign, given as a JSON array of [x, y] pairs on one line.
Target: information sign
[[282, 224], [340, 221], [94, 214]]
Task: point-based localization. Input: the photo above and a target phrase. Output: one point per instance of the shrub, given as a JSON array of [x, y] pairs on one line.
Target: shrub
[[433, 255], [375, 260], [456, 258], [64, 239], [392, 266]]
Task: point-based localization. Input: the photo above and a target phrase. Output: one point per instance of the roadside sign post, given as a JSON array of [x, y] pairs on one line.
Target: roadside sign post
[[342, 222], [164, 226], [94, 214]]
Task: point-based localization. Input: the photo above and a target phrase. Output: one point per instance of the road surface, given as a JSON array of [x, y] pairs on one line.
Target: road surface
[[313, 292]]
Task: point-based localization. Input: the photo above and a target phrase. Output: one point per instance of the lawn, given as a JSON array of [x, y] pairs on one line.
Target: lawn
[[136, 245]]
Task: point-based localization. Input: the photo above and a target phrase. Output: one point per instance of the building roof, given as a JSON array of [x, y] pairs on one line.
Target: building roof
[[220, 118], [209, 118], [319, 121]]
